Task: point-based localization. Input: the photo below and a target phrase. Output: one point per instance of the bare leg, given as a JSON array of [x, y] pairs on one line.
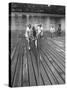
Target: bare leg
[[28, 43], [39, 68], [36, 43], [38, 60]]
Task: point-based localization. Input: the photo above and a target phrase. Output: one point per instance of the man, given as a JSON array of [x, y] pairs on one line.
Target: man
[[52, 30], [27, 34], [59, 30], [40, 30], [34, 35]]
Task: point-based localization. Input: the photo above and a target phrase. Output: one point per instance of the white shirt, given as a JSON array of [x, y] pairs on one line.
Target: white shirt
[[39, 30], [27, 32], [52, 29]]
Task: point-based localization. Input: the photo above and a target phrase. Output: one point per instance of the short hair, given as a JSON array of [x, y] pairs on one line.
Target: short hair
[[59, 24], [29, 25]]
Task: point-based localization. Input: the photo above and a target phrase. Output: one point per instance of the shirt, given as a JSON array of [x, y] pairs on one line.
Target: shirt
[[27, 33], [52, 29]]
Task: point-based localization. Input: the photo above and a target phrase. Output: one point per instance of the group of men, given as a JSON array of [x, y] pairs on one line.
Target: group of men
[[32, 33], [58, 31]]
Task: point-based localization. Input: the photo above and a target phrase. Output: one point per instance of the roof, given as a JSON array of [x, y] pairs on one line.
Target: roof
[[37, 8]]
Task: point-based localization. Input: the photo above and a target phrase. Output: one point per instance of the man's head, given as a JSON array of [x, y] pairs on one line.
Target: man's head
[[52, 26], [59, 25], [29, 25], [40, 25]]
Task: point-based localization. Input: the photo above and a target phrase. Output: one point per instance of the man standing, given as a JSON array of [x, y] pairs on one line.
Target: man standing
[[52, 30], [27, 34], [59, 30]]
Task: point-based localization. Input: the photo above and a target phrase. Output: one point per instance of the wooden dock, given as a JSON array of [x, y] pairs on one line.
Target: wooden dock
[[24, 63]]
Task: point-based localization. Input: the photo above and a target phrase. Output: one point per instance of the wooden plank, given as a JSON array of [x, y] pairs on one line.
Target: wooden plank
[[44, 75], [14, 50], [50, 74], [56, 54], [53, 58], [38, 78], [59, 70], [13, 65], [59, 38], [20, 81], [20, 72], [55, 42], [58, 49], [61, 60], [25, 69], [53, 69], [55, 46], [30, 71], [57, 60], [60, 41], [16, 74], [47, 47]]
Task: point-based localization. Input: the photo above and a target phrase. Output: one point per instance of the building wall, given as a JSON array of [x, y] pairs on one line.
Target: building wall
[[62, 21], [19, 22]]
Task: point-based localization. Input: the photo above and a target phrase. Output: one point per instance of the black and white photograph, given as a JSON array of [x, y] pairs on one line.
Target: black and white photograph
[[36, 44]]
